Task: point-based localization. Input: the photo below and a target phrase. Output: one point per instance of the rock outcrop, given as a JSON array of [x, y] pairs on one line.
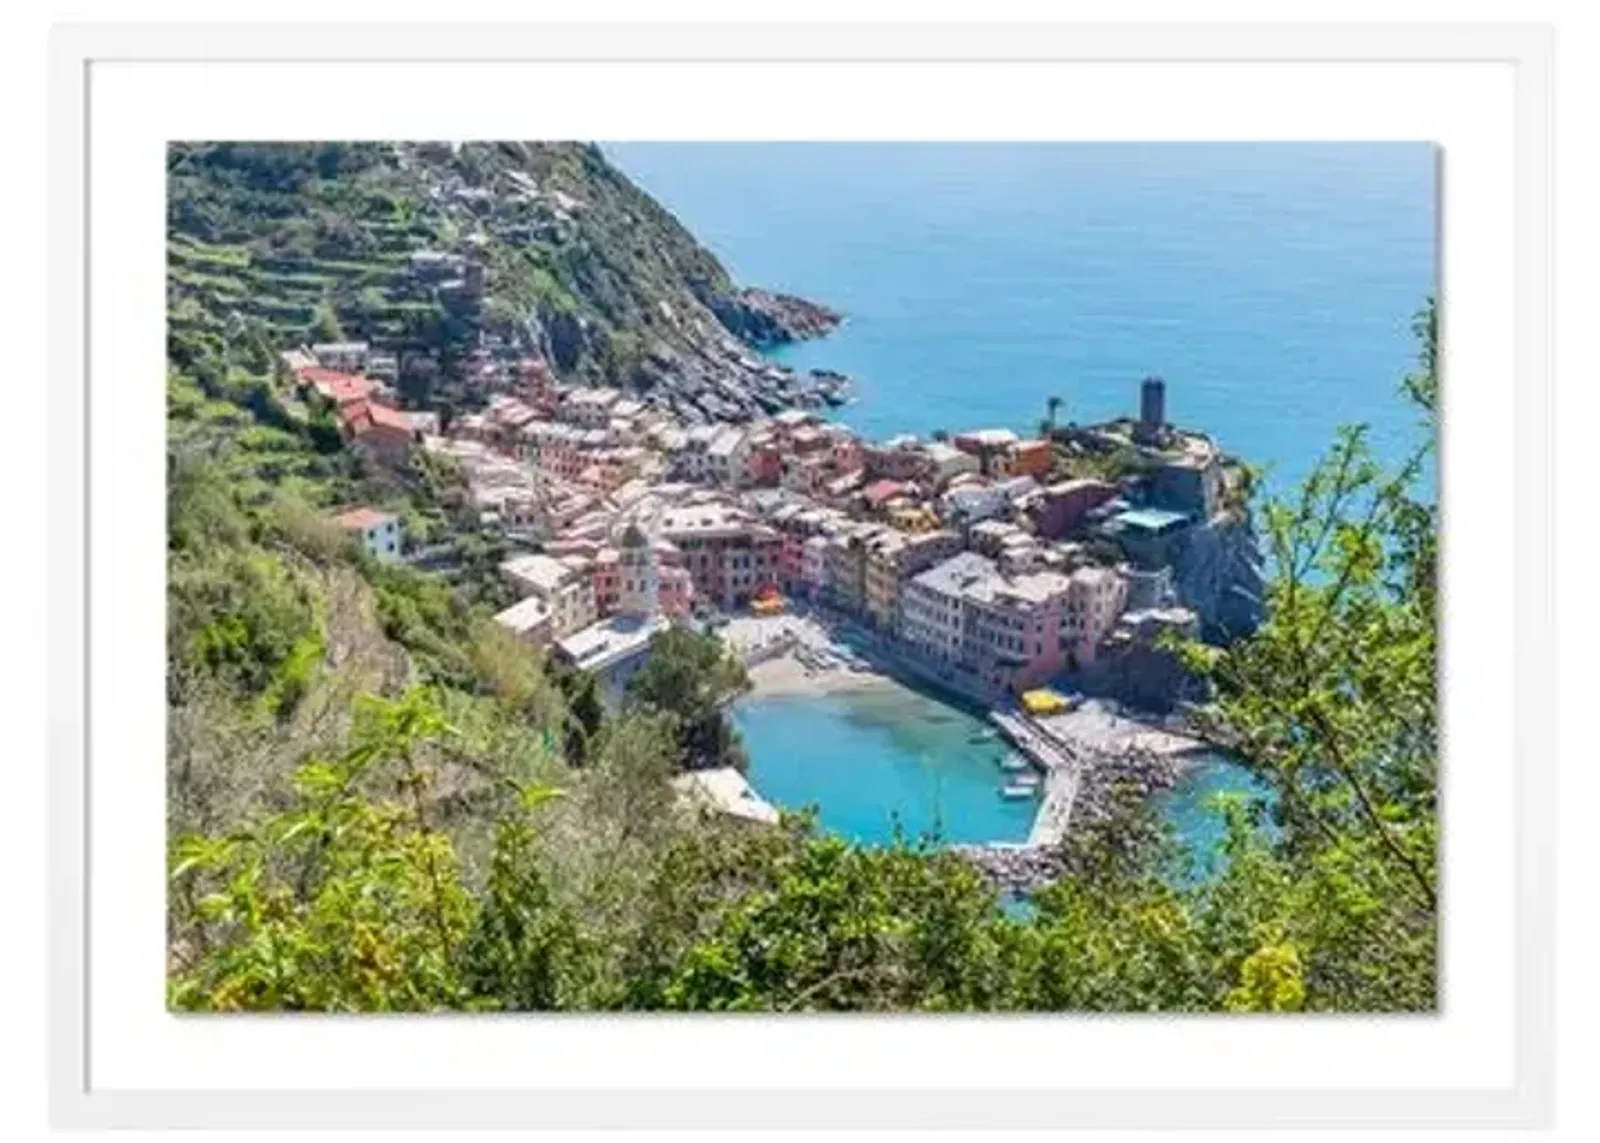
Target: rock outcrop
[[1111, 784], [1135, 667], [764, 319], [1217, 573]]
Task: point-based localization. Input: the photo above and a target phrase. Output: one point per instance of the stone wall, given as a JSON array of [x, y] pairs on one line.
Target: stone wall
[[1132, 668]]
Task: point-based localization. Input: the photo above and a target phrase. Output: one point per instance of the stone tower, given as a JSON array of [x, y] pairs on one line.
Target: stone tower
[[640, 594], [1152, 410]]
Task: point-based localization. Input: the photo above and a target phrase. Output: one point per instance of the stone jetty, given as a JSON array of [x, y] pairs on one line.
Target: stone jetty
[[1089, 780]]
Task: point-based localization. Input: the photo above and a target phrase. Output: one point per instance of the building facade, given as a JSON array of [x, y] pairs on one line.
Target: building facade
[[729, 555], [565, 585], [994, 634], [379, 533]]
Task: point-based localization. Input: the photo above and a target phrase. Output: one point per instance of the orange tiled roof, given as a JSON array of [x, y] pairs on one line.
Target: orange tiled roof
[[362, 518], [335, 386]]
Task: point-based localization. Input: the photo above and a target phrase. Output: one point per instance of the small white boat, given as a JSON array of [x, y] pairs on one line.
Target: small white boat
[[1015, 763], [1016, 791], [1030, 779]]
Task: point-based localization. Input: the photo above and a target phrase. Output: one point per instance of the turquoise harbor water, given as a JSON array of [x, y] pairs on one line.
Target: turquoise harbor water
[[1191, 810], [870, 760], [1272, 285]]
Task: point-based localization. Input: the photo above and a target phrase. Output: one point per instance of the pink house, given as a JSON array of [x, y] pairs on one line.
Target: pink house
[[791, 560], [764, 465], [1003, 633], [674, 591], [607, 581], [848, 455]]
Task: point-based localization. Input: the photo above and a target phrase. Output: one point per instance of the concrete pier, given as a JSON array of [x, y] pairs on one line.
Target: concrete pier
[[1060, 770], [1055, 811]]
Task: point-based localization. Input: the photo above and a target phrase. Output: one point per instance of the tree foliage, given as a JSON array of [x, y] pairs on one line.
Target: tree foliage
[[1334, 701], [691, 677]]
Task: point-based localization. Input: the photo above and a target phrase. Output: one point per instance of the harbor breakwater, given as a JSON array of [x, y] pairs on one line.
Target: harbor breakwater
[[1094, 774]]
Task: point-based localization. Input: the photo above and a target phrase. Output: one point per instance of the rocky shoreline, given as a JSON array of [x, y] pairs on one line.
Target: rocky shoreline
[[1111, 783], [727, 382], [564, 260], [724, 378], [764, 319]]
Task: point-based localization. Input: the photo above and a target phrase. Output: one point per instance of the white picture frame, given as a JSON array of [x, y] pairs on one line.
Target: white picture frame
[[77, 1099]]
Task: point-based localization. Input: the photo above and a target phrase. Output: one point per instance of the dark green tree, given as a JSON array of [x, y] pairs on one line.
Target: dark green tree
[[691, 677], [325, 324]]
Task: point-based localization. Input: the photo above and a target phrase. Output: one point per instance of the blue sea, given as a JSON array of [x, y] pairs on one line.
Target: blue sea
[[1272, 285]]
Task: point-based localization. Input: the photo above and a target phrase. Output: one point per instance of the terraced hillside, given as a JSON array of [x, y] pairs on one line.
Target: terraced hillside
[[460, 260]]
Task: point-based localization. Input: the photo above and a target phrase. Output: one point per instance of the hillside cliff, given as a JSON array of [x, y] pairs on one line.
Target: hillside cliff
[[1218, 573], [460, 259]]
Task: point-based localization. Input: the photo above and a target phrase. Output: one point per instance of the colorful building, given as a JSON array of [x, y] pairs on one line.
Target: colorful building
[[382, 433], [845, 580], [987, 446], [899, 458], [1094, 604], [565, 585], [893, 557], [995, 634], [763, 466], [1033, 458], [1060, 508], [607, 580], [814, 566], [729, 555], [379, 533], [947, 462]]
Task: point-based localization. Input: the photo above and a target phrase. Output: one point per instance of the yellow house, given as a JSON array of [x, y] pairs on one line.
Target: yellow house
[[912, 518]]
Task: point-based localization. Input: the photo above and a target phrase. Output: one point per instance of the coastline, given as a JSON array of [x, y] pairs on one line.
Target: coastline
[[876, 759], [1102, 750], [1103, 726]]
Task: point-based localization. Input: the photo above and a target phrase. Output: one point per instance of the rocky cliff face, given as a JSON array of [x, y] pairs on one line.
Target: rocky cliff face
[[764, 319], [1217, 573], [1143, 676]]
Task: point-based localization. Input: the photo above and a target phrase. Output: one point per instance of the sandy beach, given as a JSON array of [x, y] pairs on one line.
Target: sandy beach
[[795, 655], [786, 675]]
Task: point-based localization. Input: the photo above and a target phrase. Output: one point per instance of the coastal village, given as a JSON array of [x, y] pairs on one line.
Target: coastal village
[[1017, 573], [545, 627]]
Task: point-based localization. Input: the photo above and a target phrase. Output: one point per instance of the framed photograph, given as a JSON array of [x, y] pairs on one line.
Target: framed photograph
[[916, 577]]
